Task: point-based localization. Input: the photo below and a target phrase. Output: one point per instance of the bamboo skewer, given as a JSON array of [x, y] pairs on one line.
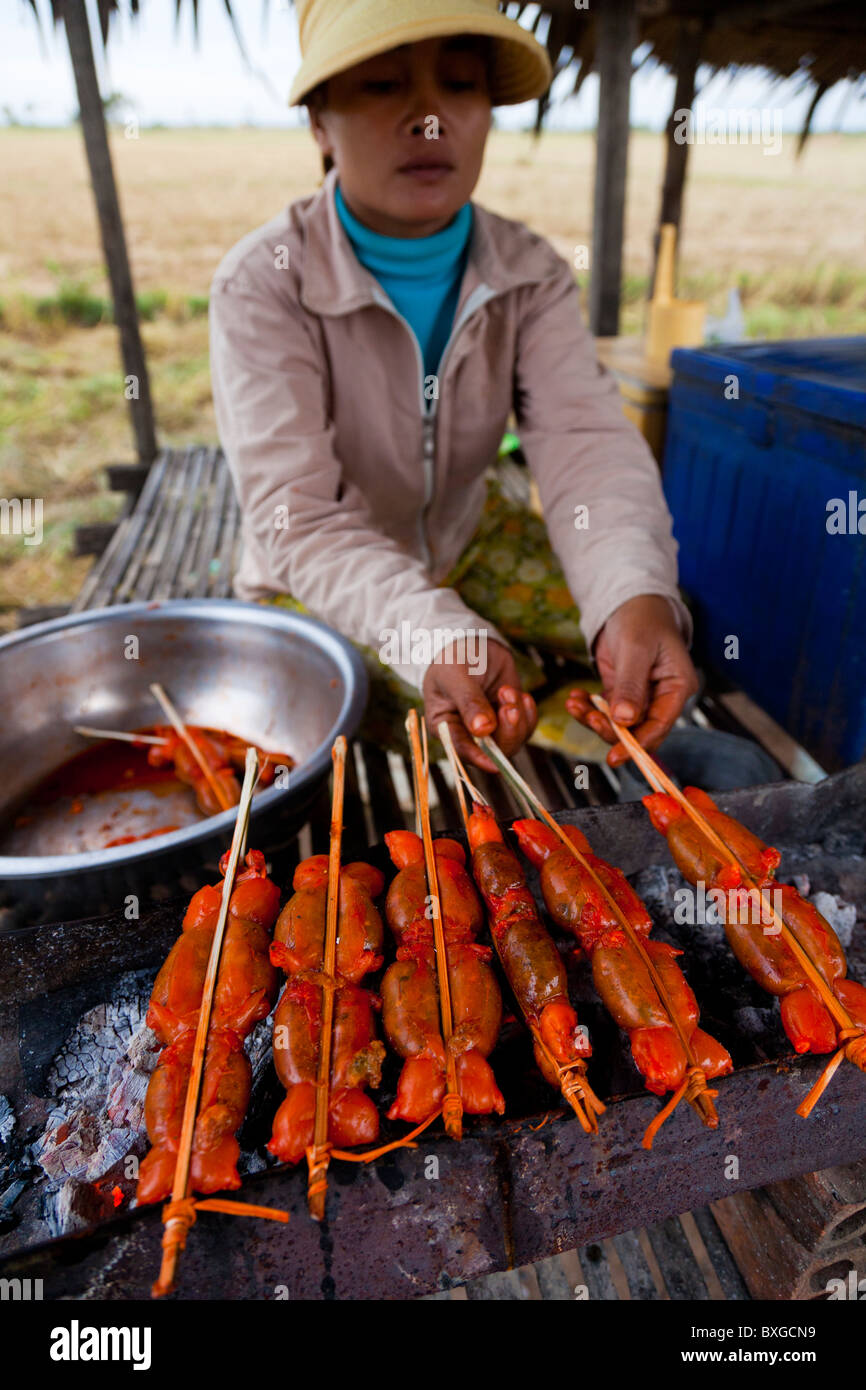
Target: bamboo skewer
[[179, 1213], [694, 1089], [572, 1079], [120, 735], [851, 1036], [318, 1157], [183, 732], [452, 1106]]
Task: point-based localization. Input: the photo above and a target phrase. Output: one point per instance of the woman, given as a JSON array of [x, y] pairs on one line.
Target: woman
[[368, 345]]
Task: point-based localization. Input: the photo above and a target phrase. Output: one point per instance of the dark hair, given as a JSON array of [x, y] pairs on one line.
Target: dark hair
[[315, 100]]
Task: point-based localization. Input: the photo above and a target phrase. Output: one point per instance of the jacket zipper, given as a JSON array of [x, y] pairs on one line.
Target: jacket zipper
[[429, 409]]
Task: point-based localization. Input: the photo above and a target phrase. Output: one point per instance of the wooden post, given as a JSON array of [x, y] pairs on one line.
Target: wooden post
[[617, 39], [111, 226], [691, 38]]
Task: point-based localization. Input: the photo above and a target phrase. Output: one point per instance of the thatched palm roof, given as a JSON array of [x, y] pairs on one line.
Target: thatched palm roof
[[824, 40]]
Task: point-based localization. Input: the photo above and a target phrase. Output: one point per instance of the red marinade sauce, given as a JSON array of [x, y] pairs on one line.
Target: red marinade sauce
[[108, 766]]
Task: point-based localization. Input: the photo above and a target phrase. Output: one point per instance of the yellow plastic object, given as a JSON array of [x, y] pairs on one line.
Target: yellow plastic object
[[672, 322], [559, 732], [643, 386]]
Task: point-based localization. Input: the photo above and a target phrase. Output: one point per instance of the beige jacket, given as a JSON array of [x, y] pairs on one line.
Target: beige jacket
[[361, 481]]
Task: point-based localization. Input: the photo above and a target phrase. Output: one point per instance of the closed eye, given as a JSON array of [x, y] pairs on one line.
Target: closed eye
[[381, 87]]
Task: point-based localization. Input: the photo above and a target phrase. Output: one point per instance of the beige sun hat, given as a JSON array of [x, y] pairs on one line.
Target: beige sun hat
[[337, 34]]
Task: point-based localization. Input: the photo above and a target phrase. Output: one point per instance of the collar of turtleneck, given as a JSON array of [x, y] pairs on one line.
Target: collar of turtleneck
[[421, 275]]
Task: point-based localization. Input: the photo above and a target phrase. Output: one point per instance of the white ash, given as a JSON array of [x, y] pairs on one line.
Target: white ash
[[842, 916], [128, 1081], [802, 883], [7, 1119], [98, 1081], [254, 1162], [258, 1046]]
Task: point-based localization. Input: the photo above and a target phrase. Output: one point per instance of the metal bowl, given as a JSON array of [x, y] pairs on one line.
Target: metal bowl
[[285, 682]]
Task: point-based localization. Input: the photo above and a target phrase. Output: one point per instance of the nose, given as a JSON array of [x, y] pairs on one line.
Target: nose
[[425, 100]]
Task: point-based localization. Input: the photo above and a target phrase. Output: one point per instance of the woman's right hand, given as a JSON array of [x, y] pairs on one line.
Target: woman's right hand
[[478, 701]]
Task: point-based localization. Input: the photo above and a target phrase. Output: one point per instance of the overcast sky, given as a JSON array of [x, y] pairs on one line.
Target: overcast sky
[[168, 79]]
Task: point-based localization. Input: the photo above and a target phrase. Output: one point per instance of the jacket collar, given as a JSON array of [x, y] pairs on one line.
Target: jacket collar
[[334, 282]]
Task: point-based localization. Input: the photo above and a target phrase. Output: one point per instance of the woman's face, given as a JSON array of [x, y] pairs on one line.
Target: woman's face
[[407, 130]]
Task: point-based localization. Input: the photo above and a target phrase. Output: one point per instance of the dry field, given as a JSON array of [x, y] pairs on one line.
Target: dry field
[[789, 233]]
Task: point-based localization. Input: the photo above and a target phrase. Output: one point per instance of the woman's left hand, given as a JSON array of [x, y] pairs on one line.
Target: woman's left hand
[[646, 673]]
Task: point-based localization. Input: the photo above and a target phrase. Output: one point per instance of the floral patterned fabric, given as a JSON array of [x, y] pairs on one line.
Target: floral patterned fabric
[[508, 574]]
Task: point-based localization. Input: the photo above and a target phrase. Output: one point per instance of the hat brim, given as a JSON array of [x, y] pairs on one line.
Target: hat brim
[[521, 69]]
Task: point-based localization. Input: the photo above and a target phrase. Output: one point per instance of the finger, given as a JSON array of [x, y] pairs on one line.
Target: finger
[[474, 708], [518, 717], [586, 713], [531, 712], [467, 749], [661, 717], [511, 734], [508, 695], [629, 693], [579, 705]]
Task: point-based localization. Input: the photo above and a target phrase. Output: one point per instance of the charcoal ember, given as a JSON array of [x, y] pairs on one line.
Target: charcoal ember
[[100, 1038], [81, 1145], [76, 1206], [682, 915], [844, 843], [7, 1119], [8, 1199], [842, 916], [258, 1047], [255, 1162], [97, 1082], [128, 1080], [760, 1025], [657, 886]]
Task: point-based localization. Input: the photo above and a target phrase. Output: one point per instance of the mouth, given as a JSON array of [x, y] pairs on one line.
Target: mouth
[[426, 169]]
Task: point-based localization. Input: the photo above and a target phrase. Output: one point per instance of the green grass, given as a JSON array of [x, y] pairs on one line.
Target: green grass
[[74, 303]]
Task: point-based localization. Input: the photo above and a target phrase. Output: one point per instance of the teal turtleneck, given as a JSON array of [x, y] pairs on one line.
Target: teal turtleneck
[[421, 275]]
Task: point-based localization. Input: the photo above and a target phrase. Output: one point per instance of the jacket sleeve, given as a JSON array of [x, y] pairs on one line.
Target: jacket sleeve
[[583, 453], [315, 536]]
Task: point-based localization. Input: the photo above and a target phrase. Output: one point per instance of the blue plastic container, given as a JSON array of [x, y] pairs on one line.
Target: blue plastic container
[[765, 454]]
